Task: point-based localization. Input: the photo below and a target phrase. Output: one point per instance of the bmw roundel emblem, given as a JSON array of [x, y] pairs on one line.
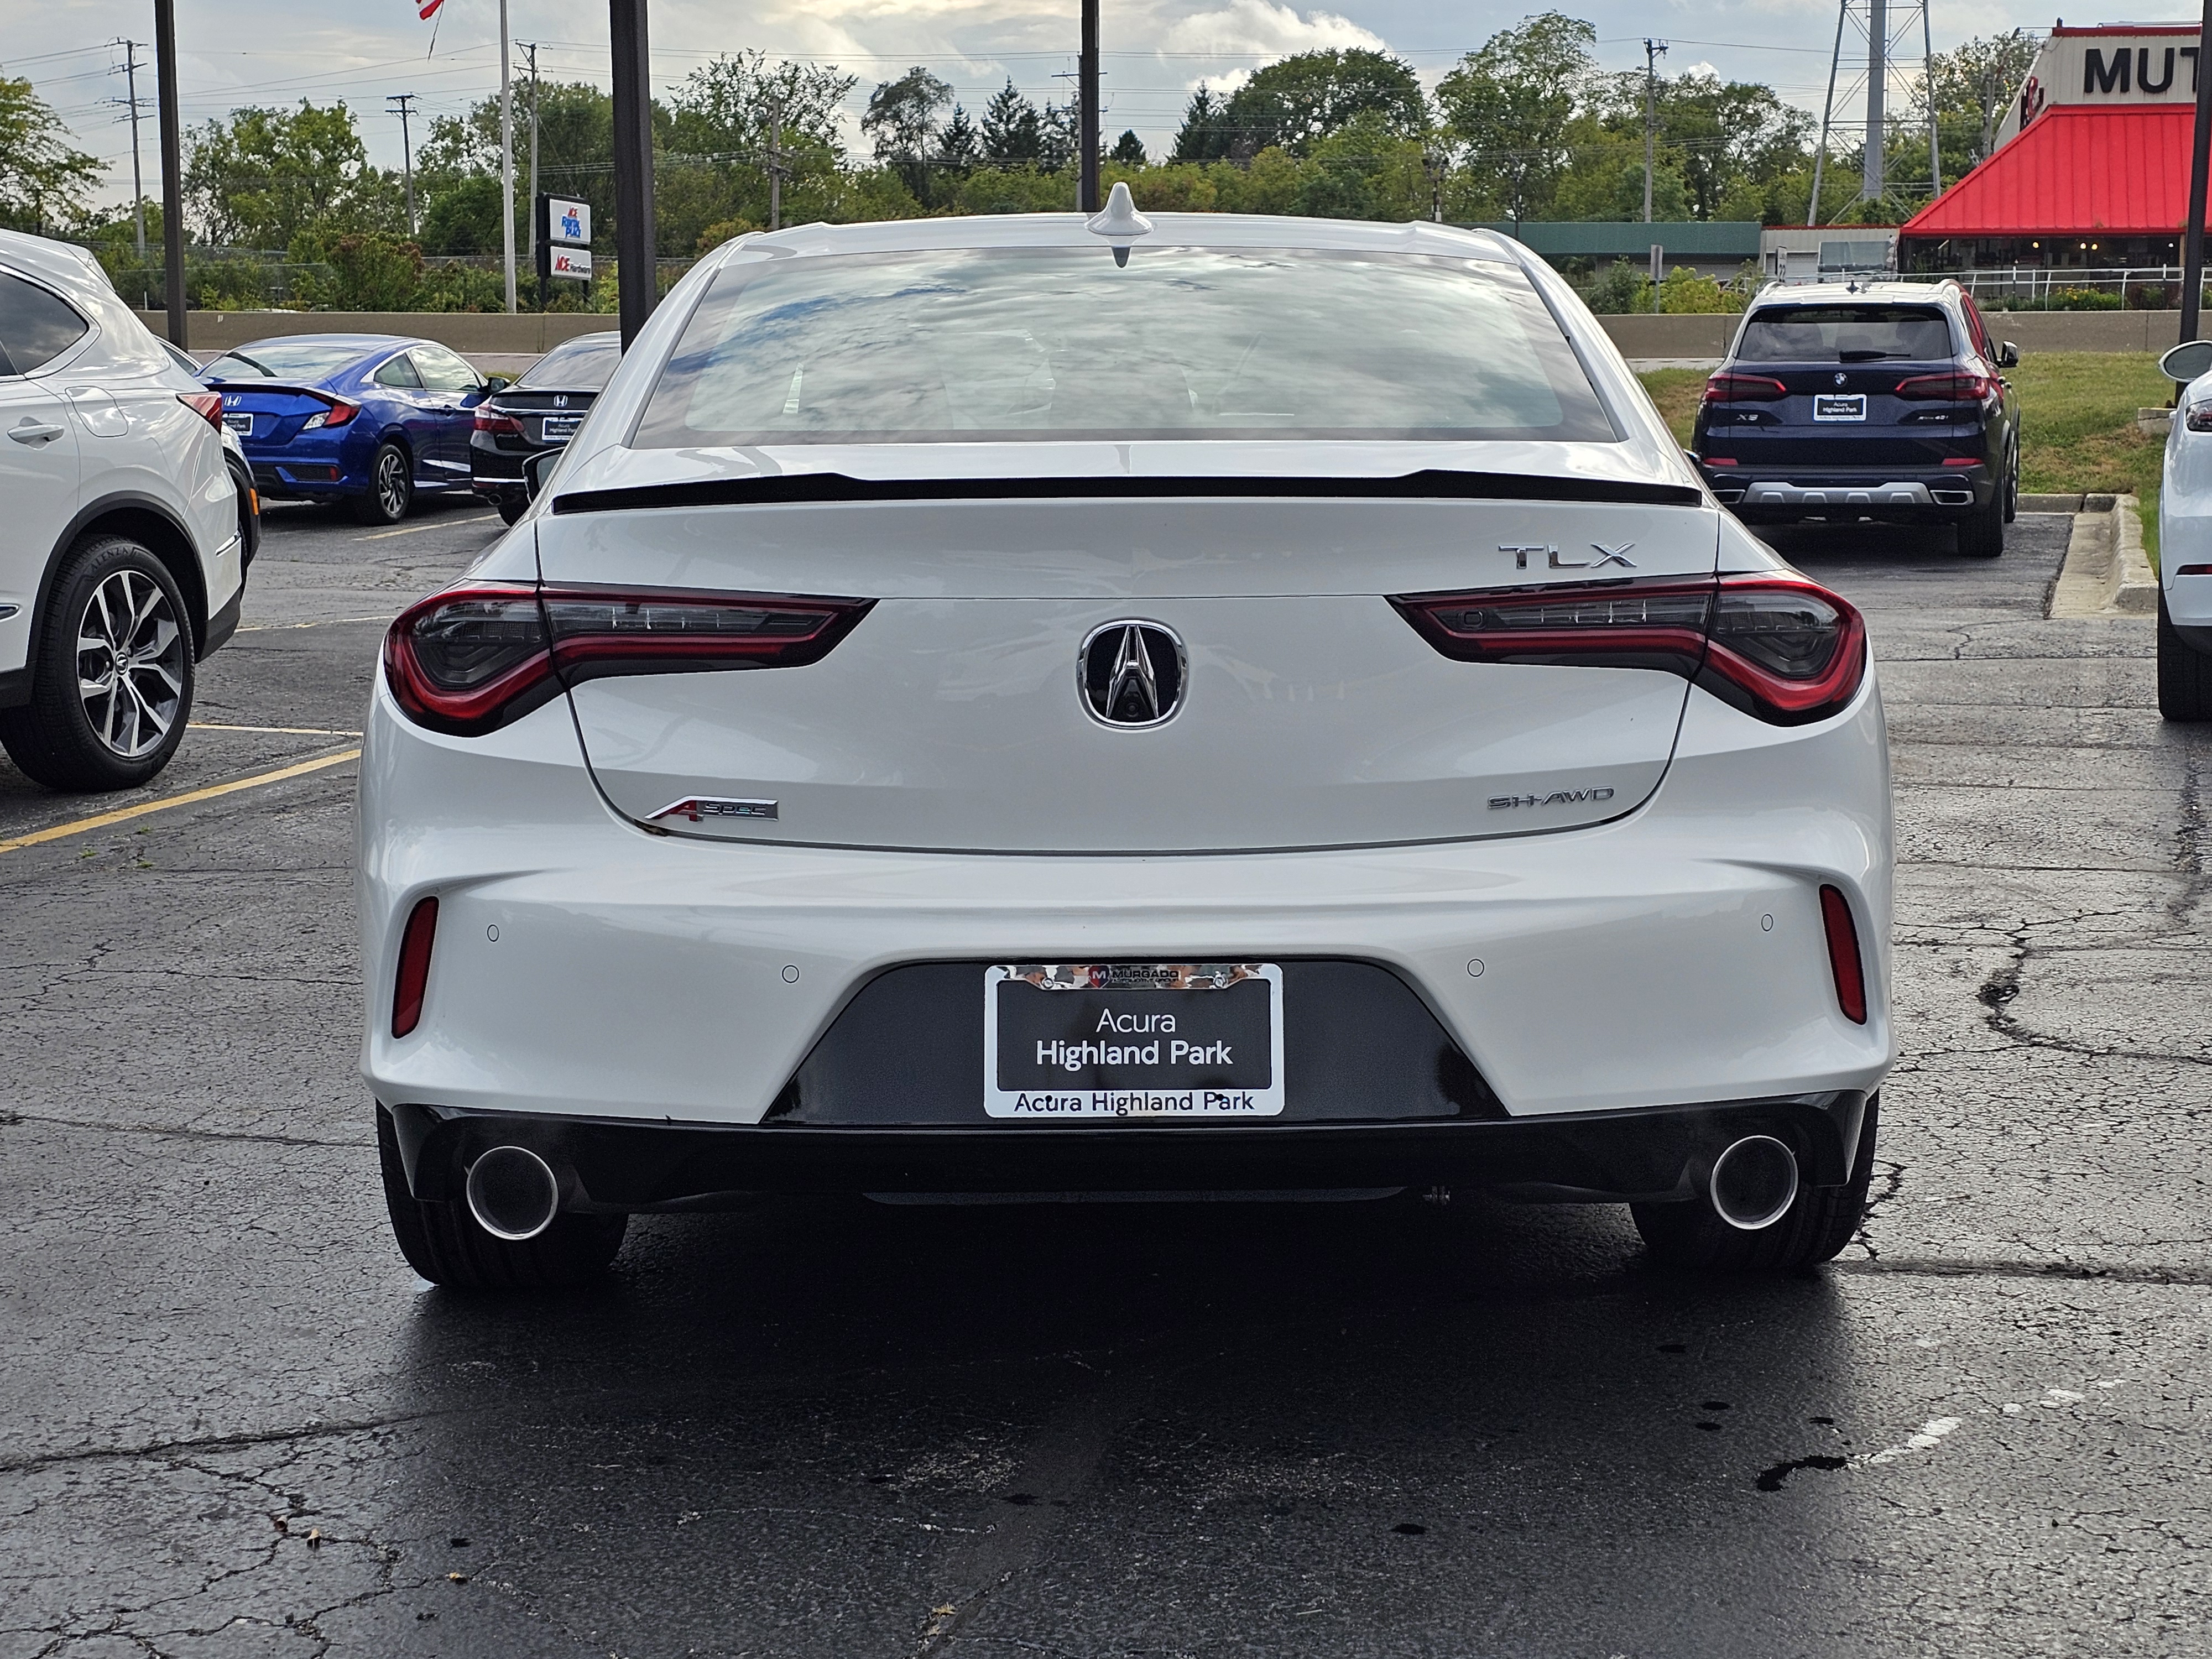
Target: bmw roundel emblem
[[1840, 380], [1131, 674]]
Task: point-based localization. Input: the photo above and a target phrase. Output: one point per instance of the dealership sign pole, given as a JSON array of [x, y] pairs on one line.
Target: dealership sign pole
[[2192, 257], [632, 97], [172, 166]]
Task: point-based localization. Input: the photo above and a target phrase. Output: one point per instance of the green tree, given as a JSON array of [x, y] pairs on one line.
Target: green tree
[[902, 120], [43, 178], [1297, 101], [1509, 102], [1203, 135], [1012, 129], [575, 156], [959, 146], [1129, 150], [263, 176]]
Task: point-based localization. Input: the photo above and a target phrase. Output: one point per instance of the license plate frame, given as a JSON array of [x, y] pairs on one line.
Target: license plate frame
[[1062, 1003], [1839, 406], [559, 429], [242, 424]]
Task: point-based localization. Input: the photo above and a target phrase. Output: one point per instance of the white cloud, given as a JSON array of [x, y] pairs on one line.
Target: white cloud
[[1251, 28]]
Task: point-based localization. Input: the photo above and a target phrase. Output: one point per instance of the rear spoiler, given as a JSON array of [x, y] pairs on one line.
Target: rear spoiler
[[805, 488], [274, 386]]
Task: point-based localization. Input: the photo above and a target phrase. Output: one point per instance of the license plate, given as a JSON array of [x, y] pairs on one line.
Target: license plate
[[1128, 1042], [561, 428], [1839, 406], [242, 424]]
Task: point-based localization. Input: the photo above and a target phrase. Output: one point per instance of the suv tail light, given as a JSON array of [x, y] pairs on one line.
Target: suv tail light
[[208, 405], [1744, 389], [1779, 648], [1955, 388], [472, 659]]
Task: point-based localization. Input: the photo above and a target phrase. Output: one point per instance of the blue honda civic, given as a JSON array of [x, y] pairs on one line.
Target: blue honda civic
[[371, 419]]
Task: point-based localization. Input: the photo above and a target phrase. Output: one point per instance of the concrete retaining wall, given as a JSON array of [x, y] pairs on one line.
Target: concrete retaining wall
[[491, 332]]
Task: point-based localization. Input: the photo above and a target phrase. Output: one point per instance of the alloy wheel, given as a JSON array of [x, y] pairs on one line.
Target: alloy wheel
[[391, 484], [131, 664]]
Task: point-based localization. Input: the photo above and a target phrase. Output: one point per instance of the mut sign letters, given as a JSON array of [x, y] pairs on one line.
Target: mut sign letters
[[2134, 64]]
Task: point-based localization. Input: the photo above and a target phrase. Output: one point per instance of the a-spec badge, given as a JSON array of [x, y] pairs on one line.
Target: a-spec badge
[[698, 807]]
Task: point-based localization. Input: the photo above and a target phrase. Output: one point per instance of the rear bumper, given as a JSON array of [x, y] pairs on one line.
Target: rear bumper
[[1774, 494], [305, 480], [585, 970], [1655, 1154]]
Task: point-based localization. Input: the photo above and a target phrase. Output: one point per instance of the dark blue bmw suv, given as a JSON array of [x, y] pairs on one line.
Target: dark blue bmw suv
[[1865, 400]]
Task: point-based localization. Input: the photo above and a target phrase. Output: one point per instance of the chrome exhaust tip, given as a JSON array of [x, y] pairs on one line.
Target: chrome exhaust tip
[[1754, 1182], [514, 1193]]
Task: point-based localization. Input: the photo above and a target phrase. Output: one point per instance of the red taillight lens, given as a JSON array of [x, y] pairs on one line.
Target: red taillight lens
[[498, 423], [1632, 625], [1959, 388], [472, 660], [1778, 648], [1844, 954], [208, 405], [337, 414], [1784, 649], [2198, 417], [1744, 389], [414, 967]]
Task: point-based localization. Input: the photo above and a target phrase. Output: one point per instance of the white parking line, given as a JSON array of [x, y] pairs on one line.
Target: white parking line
[[123, 814], [325, 622], [416, 529]]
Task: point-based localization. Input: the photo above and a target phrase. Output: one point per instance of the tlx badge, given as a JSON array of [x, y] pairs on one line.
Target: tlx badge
[[1617, 554]]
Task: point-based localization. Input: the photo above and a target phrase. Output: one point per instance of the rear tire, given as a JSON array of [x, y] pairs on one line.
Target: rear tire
[[442, 1242], [391, 490], [2184, 673], [1982, 533], [1812, 1230], [113, 685]]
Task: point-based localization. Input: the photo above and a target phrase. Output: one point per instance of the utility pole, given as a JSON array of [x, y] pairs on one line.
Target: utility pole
[[1086, 82], [633, 135], [531, 46], [1927, 79], [137, 184], [777, 166], [506, 154], [1653, 52], [2200, 142], [1874, 185], [405, 101], [172, 164]]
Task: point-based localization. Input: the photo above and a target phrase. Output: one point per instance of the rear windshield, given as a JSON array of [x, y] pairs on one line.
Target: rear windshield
[[580, 366], [1184, 343], [1845, 334], [281, 360]]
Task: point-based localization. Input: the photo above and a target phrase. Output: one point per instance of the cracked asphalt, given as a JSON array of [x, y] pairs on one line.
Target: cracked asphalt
[[232, 1423]]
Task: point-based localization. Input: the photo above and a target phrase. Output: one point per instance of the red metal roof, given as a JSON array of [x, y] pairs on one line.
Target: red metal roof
[[2077, 169]]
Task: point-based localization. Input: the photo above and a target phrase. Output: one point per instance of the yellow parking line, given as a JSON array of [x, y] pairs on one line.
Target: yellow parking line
[[325, 622], [274, 731], [123, 814], [417, 529]]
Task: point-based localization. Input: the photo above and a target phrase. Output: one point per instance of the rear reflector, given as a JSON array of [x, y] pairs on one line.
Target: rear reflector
[[471, 660], [1781, 648], [414, 967], [1844, 954]]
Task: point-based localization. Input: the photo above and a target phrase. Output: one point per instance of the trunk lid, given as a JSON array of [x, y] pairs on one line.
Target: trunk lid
[[1313, 714], [277, 412]]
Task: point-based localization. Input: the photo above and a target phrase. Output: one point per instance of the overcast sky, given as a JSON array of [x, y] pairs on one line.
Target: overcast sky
[[233, 52]]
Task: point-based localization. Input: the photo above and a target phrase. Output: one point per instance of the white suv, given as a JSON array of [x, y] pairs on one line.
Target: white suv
[[123, 560]]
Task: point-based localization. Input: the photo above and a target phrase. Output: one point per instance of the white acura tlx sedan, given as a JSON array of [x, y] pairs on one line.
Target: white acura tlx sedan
[[1038, 705]]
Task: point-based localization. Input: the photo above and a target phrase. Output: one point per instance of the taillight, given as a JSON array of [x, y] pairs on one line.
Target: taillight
[[2198, 417], [337, 414], [1843, 961], [1955, 388], [498, 423], [1778, 648], [473, 659], [1744, 389], [208, 405], [407, 987]]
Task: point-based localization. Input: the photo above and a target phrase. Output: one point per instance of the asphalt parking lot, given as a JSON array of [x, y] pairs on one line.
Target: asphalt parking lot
[[232, 1423]]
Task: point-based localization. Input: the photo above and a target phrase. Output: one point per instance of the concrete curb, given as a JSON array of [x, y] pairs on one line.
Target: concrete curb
[[2106, 573]]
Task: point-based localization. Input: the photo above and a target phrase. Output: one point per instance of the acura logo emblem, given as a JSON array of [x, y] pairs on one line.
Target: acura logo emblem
[[1131, 674]]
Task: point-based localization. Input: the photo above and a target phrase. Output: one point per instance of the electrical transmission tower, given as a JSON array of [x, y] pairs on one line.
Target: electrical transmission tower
[[1879, 34]]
